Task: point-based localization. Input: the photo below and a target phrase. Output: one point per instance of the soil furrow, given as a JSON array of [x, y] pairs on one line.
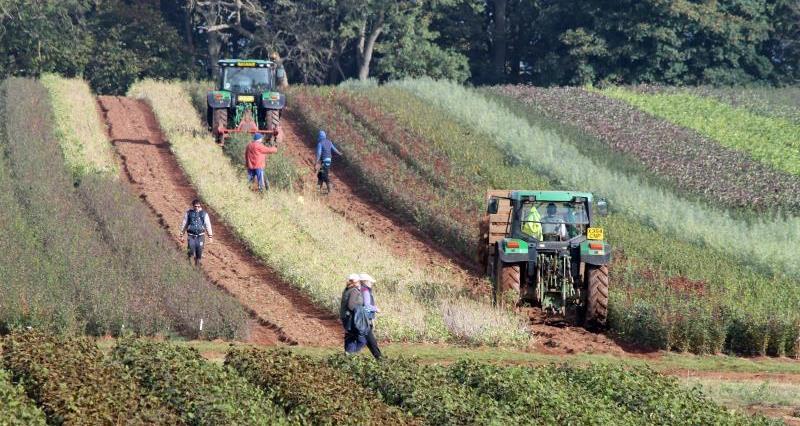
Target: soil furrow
[[281, 314]]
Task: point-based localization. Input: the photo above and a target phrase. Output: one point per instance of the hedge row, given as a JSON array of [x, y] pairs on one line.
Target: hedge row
[[73, 383], [17, 409], [203, 393], [310, 392]]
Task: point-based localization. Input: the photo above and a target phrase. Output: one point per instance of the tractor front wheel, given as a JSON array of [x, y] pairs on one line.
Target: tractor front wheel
[[597, 297], [507, 283], [219, 119]]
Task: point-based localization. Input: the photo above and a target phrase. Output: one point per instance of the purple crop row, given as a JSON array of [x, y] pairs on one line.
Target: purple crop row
[[679, 155]]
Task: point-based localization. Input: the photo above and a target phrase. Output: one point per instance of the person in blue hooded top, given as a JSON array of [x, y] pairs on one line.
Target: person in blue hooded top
[[325, 150]]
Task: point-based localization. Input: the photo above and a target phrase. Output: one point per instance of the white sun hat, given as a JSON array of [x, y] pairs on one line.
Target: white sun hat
[[366, 277], [353, 277]]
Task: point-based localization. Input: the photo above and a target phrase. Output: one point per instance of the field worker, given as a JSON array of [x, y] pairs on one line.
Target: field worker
[[351, 301], [255, 156], [196, 223], [553, 224], [370, 309], [280, 72], [532, 226], [325, 150]]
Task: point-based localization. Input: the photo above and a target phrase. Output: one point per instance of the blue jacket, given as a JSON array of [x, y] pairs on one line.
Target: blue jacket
[[325, 148]]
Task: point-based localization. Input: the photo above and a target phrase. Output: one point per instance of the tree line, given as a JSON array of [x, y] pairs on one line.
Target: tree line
[[112, 43]]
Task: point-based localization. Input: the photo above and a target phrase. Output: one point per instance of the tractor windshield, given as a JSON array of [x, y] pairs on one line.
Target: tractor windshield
[[554, 220], [247, 80]]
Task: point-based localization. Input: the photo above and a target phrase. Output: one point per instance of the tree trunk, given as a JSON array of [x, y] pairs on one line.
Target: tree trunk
[[365, 49], [499, 42], [214, 47]]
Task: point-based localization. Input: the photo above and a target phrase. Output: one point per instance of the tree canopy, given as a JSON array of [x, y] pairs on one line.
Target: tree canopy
[[545, 42]]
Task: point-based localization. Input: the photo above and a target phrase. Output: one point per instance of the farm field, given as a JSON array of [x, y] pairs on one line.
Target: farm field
[[410, 147]]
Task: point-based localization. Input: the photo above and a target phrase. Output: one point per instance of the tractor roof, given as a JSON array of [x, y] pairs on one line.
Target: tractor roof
[[244, 63], [552, 195]]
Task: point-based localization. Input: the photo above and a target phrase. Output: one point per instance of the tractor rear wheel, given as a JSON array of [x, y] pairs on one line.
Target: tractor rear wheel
[[507, 282], [219, 119], [272, 119], [597, 297]]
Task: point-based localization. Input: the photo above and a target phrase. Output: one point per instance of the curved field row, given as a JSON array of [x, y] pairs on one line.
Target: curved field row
[[668, 294], [687, 161], [70, 269], [323, 247], [770, 140], [777, 102]]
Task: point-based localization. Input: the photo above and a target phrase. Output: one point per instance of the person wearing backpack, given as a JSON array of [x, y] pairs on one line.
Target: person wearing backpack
[[351, 302], [366, 336], [196, 223]]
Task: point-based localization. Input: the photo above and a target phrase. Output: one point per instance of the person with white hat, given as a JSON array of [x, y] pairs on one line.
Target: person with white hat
[[350, 303], [368, 298]]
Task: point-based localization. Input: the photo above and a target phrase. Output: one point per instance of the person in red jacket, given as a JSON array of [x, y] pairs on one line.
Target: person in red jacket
[[255, 157]]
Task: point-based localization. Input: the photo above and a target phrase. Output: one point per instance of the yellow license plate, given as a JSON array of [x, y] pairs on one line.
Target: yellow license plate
[[594, 234], [246, 99]]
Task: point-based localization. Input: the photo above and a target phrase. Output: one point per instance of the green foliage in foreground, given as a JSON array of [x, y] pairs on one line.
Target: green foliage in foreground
[[311, 392], [424, 391], [203, 393], [770, 140], [17, 409], [70, 379]]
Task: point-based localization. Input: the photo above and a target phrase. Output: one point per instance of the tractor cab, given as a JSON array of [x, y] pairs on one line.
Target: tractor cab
[[254, 78], [544, 250]]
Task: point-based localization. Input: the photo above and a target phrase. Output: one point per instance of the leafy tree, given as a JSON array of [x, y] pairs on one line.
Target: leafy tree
[[38, 36]]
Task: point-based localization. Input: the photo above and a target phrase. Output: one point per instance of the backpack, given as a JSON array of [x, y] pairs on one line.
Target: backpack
[[196, 222]]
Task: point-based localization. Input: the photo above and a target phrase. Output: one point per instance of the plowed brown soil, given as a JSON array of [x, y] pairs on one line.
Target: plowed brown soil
[[280, 313]]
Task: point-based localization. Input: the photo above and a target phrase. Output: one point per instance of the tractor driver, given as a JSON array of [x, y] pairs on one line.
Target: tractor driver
[[532, 225], [553, 224]]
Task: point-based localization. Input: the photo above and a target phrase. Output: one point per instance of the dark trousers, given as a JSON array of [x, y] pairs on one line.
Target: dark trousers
[[351, 341], [194, 247], [370, 342], [323, 177]]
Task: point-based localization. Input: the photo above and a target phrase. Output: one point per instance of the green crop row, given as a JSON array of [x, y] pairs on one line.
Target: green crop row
[[73, 383], [425, 391], [596, 394], [325, 247], [68, 263], [650, 302], [770, 140], [76, 128], [16, 407], [762, 243], [311, 392], [202, 393]]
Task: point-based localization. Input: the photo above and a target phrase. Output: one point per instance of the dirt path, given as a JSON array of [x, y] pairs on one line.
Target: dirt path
[[280, 314]]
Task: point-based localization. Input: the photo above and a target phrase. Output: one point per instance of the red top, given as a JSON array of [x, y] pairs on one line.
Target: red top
[[255, 156]]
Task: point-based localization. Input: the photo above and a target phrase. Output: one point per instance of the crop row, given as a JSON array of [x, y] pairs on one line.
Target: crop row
[[385, 166], [770, 140], [762, 243], [69, 265], [325, 247], [201, 392], [778, 102], [309, 391], [667, 293], [73, 383], [687, 160]]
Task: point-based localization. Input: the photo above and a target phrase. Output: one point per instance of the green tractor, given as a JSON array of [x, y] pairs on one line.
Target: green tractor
[[542, 250], [247, 100]]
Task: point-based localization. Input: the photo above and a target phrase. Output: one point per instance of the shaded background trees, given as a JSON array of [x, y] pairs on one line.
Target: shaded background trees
[[545, 42]]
